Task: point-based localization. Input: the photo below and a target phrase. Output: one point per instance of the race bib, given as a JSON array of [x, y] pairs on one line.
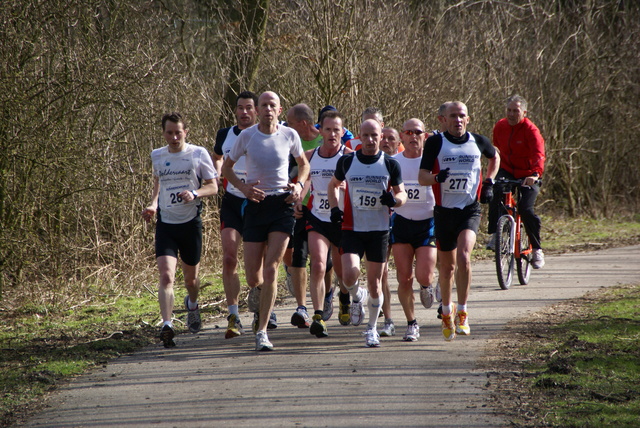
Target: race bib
[[459, 181], [416, 193], [170, 197], [321, 202], [366, 199], [241, 174]]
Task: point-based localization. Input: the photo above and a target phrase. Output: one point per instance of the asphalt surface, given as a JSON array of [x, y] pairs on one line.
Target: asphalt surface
[[209, 381]]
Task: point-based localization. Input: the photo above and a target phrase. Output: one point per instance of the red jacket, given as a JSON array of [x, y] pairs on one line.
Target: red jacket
[[521, 148]]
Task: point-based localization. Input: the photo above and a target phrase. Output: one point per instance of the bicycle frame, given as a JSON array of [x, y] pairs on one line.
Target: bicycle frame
[[510, 227], [511, 207]]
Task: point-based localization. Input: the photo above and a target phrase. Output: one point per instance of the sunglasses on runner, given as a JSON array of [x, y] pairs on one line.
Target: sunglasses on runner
[[412, 132]]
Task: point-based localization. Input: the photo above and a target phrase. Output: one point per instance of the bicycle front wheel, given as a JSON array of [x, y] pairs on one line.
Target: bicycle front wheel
[[505, 259], [523, 263]]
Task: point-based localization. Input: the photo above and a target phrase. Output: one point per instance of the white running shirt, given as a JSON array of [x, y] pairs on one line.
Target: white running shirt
[[267, 156], [177, 172], [420, 199], [239, 167], [322, 170]]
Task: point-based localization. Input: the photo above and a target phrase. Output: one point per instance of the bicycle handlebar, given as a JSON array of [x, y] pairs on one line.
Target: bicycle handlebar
[[516, 182]]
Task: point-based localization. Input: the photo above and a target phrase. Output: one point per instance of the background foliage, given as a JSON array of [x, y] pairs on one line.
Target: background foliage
[[83, 84]]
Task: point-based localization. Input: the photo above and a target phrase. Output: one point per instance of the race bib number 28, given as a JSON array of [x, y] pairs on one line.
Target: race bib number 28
[[321, 202], [171, 197]]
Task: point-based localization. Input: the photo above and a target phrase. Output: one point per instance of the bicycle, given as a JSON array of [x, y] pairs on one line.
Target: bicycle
[[512, 246]]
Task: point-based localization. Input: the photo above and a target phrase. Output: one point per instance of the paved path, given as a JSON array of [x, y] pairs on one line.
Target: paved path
[[208, 381]]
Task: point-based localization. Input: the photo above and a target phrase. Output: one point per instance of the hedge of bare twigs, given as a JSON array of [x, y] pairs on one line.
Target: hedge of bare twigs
[[84, 83]]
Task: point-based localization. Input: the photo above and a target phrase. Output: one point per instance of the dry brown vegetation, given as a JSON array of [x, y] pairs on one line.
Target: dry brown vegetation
[[83, 84]]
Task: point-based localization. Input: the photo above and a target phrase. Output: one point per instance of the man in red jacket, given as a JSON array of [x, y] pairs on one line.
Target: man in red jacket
[[522, 156]]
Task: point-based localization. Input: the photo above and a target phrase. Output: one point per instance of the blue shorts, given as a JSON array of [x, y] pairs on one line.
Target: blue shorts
[[418, 233]]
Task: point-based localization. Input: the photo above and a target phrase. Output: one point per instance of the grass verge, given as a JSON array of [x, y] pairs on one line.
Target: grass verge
[[43, 346], [577, 364]]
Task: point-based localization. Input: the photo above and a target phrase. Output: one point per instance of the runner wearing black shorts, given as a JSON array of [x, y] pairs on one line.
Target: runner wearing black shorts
[[182, 174], [451, 164], [370, 175], [268, 220], [323, 235], [233, 200]]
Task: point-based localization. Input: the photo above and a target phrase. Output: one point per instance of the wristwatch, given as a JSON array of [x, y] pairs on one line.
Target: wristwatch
[[489, 181], [194, 193]]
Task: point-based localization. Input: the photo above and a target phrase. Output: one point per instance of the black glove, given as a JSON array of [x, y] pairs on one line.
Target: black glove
[[388, 199], [336, 215], [486, 194], [442, 175]]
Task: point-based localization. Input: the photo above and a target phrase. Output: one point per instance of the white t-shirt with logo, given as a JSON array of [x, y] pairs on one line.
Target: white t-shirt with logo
[[176, 173]]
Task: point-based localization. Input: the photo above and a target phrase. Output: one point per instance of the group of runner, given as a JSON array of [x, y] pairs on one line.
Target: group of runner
[[298, 190]]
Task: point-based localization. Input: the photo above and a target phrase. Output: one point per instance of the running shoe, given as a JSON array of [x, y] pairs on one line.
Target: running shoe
[[166, 335], [272, 324], [412, 334], [194, 322], [253, 299], [439, 312], [343, 314], [438, 293], [388, 329], [448, 326], [426, 296], [234, 327], [327, 310], [537, 258], [491, 243], [371, 338], [318, 327], [300, 318], [462, 323], [357, 311], [262, 342]]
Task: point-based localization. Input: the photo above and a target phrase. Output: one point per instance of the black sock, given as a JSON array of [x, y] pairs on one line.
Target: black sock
[[345, 298], [414, 322], [318, 312]]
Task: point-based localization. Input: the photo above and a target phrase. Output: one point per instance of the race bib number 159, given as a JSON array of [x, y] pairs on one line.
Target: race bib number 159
[[366, 199]]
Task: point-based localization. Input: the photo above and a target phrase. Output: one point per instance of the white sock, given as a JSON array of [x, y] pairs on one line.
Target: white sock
[[446, 309], [192, 306], [167, 323], [233, 309], [354, 292], [462, 307], [374, 310]]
